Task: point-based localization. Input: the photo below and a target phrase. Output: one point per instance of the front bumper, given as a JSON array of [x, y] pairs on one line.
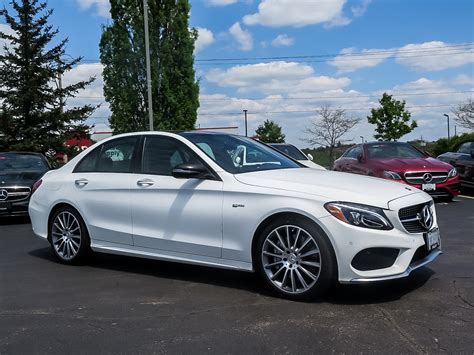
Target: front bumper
[[449, 188], [406, 251], [10, 209], [413, 266]]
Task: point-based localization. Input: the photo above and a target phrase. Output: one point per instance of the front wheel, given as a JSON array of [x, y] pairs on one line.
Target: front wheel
[[296, 259], [69, 237]]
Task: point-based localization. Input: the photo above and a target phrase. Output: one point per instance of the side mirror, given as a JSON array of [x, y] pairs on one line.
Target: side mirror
[[310, 156], [195, 170], [360, 158]]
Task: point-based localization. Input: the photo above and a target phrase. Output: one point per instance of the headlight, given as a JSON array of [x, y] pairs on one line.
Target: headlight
[[391, 175], [359, 215], [452, 173]]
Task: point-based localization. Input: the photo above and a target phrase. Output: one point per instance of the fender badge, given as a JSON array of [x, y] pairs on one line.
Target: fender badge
[[237, 205]]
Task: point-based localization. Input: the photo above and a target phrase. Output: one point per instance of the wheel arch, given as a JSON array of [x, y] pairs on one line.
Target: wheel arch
[[56, 208], [288, 214]]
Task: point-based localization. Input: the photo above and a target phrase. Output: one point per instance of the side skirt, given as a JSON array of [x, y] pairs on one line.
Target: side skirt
[[131, 250]]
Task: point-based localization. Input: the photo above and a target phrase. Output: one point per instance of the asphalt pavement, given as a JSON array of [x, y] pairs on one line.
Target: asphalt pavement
[[118, 304]]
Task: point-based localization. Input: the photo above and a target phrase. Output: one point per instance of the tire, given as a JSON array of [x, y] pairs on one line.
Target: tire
[[306, 269], [69, 238]]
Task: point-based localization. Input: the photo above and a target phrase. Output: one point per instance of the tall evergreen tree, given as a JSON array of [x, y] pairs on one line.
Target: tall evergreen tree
[[174, 87], [33, 116]]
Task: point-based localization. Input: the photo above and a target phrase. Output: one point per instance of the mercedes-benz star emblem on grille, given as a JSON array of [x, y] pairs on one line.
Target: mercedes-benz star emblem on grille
[[3, 194], [427, 177], [426, 217]]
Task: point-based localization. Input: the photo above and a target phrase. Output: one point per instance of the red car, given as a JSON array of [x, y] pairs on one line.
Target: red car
[[403, 163]]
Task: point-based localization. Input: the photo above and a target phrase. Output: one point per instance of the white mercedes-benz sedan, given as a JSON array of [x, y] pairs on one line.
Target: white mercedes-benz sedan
[[194, 197]]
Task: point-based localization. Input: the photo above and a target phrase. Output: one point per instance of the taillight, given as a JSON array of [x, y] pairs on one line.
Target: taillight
[[36, 185]]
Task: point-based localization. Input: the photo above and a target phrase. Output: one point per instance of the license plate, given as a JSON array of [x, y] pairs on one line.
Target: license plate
[[428, 187], [432, 239]]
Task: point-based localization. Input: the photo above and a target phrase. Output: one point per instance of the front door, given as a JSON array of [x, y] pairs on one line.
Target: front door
[[170, 214]]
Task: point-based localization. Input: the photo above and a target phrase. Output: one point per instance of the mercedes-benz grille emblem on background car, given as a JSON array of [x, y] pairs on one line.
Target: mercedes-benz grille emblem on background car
[[426, 217], [3, 195], [427, 177]]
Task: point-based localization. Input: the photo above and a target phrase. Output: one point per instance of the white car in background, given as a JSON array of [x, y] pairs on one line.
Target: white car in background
[[181, 197], [297, 154]]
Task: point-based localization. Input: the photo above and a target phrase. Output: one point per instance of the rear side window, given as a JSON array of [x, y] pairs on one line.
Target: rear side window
[[115, 156], [466, 148], [161, 154]]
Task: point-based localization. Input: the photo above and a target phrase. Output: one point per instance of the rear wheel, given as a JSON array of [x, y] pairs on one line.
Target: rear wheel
[[68, 234], [295, 258]]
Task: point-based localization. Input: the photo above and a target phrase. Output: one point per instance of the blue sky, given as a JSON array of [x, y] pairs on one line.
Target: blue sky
[[420, 50]]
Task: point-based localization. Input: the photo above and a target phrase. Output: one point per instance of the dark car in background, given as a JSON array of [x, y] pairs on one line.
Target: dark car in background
[[463, 160], [18, 173], [404, 163]]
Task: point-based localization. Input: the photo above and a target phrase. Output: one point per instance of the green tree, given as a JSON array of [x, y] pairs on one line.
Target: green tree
[[122, 52], [270, 132], [392, 119], [33, 116]]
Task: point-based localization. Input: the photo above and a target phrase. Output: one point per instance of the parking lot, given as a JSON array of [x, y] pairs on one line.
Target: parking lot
[[123, 304]]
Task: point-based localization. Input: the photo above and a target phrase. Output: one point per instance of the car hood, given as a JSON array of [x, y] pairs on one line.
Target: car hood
[[412, 164], [20, 178], [330, 185]]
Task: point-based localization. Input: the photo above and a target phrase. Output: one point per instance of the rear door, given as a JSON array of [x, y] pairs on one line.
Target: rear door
[[101, 184], [177, 215]]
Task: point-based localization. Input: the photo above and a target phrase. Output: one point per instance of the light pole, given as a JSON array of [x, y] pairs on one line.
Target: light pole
[[447, 116], [148, 66], [245, 113]]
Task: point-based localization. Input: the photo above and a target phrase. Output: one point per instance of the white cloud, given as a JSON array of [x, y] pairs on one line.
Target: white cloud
[[297, 13], [102, 6], [283, 40], [434, 56], [205, 39], [243, 37], [359, 10], [275, 77], [220, 2], [428, 56], [350, 59]]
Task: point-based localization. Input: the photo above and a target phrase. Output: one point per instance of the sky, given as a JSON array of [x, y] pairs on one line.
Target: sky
[[283, 59]]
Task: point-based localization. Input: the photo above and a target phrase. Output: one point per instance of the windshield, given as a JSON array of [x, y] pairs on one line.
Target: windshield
[[15, 163], [393, 150], [290, 150], [239, 154]]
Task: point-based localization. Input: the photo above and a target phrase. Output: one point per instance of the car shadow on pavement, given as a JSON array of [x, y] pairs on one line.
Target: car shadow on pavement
[[4, 221], [387, 291]]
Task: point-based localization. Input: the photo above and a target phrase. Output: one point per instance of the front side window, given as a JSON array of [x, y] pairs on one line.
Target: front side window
[[354, 152], [237, 154], [115, 156], [466, 148], [162, 154]]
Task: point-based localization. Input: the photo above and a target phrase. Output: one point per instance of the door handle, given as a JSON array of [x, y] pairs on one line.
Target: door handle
[[145, 183], [81, 182]]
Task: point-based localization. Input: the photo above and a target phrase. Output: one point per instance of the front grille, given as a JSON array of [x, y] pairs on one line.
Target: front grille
[[426, 177], [14, 193], [410, 218]]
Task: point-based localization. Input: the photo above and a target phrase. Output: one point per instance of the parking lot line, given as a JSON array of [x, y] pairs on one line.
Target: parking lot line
[[469, 197]]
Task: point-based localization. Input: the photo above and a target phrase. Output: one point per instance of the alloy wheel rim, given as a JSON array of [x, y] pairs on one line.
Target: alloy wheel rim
[[291, 259], [66, 235]]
